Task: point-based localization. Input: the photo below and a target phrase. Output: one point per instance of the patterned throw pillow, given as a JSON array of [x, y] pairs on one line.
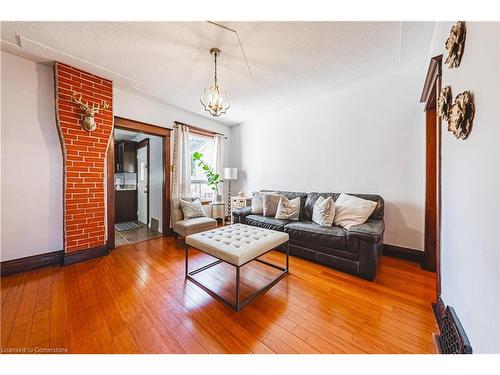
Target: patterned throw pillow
[[288, 209], [190, 210], [324, 211]]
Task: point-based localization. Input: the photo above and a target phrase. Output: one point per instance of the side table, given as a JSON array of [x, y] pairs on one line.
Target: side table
[[219, 211]]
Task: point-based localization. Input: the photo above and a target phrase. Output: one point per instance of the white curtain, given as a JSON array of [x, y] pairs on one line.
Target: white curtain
[[181, 173], [219, 158]]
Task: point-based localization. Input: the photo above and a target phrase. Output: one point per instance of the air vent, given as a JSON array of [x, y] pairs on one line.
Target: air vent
[[452, 338]]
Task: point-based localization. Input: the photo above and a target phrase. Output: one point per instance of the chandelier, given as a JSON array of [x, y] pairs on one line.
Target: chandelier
[[214, 100]]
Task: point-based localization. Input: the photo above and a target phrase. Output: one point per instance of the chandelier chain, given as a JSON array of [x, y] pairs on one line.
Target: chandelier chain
[[215, 70]]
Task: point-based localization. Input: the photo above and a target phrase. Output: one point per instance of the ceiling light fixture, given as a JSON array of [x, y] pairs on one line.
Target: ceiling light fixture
[[214, 100]]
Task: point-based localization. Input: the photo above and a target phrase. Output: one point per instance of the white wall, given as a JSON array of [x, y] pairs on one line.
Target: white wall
[[140, 108], [32, 205], [470, 224], [31, 190], [368, 138]]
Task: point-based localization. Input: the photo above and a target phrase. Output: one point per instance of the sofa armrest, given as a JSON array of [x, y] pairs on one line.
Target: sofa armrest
[[372, 231], [239, 214]]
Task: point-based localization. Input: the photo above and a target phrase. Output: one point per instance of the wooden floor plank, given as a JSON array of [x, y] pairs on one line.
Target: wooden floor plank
[[136, 300]]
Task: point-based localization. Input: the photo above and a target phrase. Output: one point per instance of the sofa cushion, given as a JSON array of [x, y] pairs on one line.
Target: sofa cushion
[[310, 232], [198, 222], [266, 222]]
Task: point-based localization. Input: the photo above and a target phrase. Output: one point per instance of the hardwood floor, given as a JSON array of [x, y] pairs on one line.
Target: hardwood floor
[[136, 301]]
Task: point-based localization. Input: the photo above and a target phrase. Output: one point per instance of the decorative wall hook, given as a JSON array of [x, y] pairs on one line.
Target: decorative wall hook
[[89, 117]]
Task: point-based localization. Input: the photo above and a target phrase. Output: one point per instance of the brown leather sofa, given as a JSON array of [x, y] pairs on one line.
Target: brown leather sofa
[[356, 250]]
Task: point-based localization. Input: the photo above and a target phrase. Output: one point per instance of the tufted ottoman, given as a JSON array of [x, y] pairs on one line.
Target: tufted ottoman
[[236, 245]]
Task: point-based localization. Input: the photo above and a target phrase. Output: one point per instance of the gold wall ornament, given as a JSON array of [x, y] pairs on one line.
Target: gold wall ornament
[[461, 115], [89, 117], [455, 44], [444, 103]]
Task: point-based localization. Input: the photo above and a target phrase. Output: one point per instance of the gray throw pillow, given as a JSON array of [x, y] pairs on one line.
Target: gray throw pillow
[[191, 210], [270, 203]]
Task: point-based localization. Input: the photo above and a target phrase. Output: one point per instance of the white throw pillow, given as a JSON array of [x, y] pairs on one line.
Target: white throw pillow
[[324, 211], [190, 210], [288, 209], [258, 203], [350, 210]]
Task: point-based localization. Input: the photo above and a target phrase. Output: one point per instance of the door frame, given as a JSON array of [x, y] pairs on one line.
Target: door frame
[[141, 144], [139, 127], [432, 233]]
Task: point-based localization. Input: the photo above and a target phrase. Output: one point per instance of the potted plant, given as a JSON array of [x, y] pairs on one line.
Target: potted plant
[[213, 179]]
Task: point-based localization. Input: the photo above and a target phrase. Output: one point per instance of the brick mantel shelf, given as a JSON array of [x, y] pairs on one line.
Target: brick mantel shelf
[[84, 155]]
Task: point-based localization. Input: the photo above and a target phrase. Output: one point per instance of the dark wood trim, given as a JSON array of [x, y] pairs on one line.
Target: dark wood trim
[[430, 93], [166, 187], [197, 130], [83, 255], [405, 253], [431, 191], [438, 196], [110, 192], [439, 309], [141, 144], [164, 133], [141, 127], [433, 72], [14, 266]]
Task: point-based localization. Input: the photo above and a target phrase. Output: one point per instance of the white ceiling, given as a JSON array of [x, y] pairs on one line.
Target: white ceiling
[[288, 61]]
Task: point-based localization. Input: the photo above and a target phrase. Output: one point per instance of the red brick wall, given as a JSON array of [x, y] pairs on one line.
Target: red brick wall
[[84, 155]]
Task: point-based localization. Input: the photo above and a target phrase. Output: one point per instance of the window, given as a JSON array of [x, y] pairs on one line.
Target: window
[[206, 146]]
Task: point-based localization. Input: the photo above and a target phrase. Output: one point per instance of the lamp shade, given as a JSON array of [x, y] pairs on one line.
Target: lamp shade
[[230, 173]]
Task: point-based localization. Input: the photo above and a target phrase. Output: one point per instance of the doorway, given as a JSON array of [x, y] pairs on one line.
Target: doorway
[[138, 182]]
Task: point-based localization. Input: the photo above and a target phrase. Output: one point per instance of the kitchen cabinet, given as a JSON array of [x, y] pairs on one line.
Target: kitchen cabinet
[[126, 156], [125, 205]]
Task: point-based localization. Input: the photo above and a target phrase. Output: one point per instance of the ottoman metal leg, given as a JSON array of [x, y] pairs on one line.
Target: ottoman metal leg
[[237, 288], [238, 305]]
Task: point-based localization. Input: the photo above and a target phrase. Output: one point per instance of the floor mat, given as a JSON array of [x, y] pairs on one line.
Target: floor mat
[[120, 227]]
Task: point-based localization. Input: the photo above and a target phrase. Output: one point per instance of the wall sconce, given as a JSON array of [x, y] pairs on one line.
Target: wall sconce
[[88, 119]]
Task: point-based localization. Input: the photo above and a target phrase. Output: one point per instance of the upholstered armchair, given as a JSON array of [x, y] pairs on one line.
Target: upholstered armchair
[[191, 226]]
